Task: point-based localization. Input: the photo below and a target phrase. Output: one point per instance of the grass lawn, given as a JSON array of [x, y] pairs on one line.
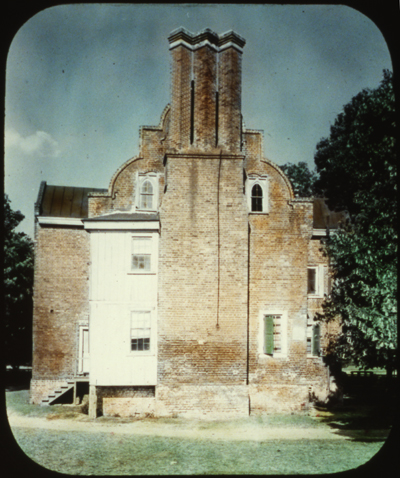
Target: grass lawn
[[104, 452]]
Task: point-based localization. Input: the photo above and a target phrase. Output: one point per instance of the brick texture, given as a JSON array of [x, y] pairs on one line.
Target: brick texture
[[220, 266], [60, 302]]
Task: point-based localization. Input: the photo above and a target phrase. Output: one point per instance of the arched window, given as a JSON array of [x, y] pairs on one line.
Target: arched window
[[146, 195], [257, 193], [256, 198]]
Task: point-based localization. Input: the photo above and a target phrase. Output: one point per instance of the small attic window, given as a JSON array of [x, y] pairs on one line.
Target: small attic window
[[147, 191], [146, 195], [257, 194], [256, 198]]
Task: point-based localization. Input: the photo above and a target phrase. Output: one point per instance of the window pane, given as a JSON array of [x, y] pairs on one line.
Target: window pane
[[256, 198], [141, 245], [141, 254], [146, 201], [147, 188], [140, 330], [146, 196], [312, 281], [141, 263], [309, 345]]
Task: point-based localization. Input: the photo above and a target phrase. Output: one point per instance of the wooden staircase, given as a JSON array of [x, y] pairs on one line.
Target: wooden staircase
[[52, 397]]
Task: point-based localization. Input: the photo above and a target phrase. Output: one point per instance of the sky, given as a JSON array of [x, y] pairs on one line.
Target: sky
[[81, 79]]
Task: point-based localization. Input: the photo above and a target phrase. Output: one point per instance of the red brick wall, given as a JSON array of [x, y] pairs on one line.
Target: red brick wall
[[191, 347], [205, 87], [181, 67], [230, 95], [61, 296]]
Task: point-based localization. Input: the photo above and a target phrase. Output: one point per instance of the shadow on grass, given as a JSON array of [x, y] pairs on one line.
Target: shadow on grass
[[368, 412]]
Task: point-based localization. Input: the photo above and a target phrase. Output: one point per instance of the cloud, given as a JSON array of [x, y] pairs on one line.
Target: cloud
[[38, 144]]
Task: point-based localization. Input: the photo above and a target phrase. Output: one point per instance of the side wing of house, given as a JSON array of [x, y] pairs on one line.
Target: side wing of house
[[61, 291]]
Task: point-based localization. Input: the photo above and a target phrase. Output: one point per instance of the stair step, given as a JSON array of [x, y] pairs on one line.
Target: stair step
[[58, 393]]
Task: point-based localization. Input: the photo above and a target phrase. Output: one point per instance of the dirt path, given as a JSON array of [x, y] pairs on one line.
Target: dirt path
[[248, 431]]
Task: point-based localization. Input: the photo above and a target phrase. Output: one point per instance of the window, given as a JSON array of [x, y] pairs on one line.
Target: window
[[257, 193], [274, 338], [312, 281], [313, 339], [140, 331], [147, 191], [315, 281], [256, 198], [146, 195], [141, 254]]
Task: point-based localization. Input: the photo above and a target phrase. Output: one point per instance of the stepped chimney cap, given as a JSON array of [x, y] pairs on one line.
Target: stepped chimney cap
[[206, 36]]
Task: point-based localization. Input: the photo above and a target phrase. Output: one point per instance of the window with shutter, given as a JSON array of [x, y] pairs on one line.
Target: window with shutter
[[269, 334], [313, 338], [316, 340], [273, 334]]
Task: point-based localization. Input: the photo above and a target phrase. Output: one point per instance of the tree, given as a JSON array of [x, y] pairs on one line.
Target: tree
[[18, 286], [303, 180], [357, 167]]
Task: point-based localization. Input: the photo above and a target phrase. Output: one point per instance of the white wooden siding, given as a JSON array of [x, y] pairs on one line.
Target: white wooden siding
[[114, 293]]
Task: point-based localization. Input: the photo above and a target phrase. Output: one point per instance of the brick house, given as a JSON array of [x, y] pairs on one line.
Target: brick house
[[189, 286]]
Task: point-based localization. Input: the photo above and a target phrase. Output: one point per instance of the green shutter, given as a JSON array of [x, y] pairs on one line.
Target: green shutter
[[315, 340], [269, 334]]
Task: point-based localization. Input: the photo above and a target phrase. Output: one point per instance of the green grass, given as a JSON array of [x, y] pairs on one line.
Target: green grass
[[18, 402], [106, 453]]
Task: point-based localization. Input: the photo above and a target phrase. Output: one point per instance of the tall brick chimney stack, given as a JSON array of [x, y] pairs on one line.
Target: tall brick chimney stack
[[206, 91]]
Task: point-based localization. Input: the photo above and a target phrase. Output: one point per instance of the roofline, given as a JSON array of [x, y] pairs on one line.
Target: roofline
[[60, 221], [123, 225]]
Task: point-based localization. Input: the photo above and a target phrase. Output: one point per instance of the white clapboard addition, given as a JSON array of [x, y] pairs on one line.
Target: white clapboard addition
[[123, 307]]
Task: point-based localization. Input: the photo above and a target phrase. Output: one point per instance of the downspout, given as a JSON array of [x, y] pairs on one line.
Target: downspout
[[219, 236], [248, 308]]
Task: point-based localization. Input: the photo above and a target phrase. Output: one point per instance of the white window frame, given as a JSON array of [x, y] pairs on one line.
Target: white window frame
[[283, 334], [153, 238], [83, 350], [263, 182], [319, 281], [151, 350], [141, 178]]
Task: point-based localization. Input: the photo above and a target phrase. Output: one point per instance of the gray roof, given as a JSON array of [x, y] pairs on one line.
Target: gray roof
[[63, 201], [126, 216]]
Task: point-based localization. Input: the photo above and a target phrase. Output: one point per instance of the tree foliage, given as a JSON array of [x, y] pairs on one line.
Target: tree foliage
[[357, 167], [18, 285], [303, 180]]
